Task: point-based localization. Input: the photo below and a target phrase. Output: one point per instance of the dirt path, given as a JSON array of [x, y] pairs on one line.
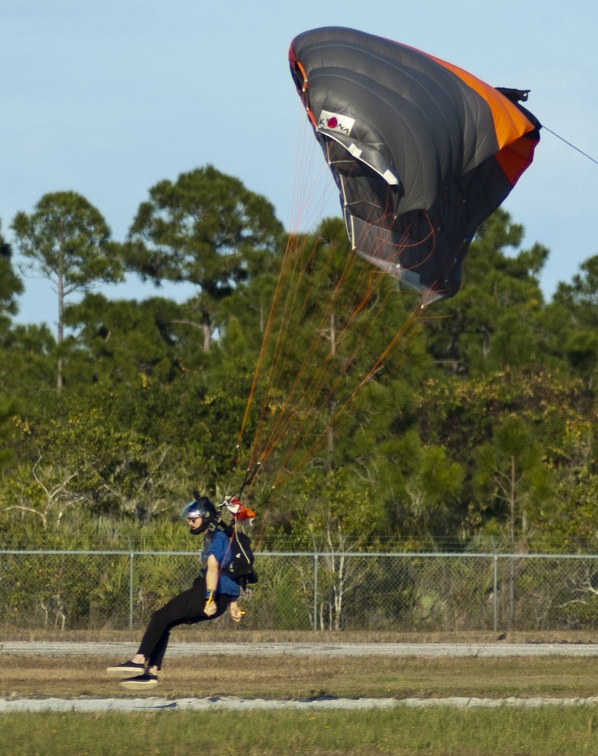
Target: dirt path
[[99, 705]]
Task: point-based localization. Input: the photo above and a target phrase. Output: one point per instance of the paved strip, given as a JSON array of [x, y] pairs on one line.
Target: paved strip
[[132, 705], [124, 650]]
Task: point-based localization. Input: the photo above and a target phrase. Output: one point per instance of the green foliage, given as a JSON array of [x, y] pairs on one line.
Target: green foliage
[[581, 349], [207, 229], [475, 329], [373, 419], [199, 228], [422, 498], [580, 297], [511, 470], [10, 284], [67, 241], [7, 413], [332, 511], [130, 343], [400, 730]]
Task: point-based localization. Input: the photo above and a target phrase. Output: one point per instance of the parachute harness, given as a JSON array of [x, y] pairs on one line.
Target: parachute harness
[[239, 513]]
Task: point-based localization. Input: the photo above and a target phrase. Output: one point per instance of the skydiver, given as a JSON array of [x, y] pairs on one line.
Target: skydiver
[[209, 597]]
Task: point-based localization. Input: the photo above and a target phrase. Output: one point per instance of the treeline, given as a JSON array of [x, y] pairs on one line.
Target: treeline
[[468, 423]]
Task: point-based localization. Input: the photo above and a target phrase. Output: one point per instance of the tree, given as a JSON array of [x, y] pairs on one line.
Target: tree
[[28, 363], [573, 315], [207, 229], [7, 412], [462, 415], [128, 342], [511, 469], [10, 284], [498, 290], [72, 455], [67, 241], [10, 287], [581, 296], [330, 512], [581, 349]]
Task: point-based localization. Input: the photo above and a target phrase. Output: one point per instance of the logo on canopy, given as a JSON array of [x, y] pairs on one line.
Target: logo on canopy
[[335, 122]]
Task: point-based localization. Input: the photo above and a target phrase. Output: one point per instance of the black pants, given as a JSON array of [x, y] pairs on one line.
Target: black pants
[[184, 609]]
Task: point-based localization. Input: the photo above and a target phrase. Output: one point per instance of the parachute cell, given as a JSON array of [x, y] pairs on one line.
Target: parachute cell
[[422, 151]]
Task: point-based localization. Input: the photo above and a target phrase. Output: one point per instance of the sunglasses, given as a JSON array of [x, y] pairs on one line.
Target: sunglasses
[[193, 519]]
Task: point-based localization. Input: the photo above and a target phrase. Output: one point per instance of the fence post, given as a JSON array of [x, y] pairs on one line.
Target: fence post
[[495, 593], [315, 583], [131, 576]]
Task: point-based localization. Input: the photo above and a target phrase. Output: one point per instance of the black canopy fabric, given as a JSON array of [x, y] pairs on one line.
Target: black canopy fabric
[[422, 152]]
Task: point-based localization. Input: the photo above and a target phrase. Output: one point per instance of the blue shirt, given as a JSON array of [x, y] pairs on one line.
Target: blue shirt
[[219, 545]]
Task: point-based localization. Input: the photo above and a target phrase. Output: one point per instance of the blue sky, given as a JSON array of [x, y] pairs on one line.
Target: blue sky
[[106, 98]]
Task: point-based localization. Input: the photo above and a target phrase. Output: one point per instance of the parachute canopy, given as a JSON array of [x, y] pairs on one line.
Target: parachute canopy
[[422, 151]]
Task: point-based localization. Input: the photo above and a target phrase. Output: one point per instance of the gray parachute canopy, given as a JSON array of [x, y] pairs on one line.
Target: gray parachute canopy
[[422, 152]]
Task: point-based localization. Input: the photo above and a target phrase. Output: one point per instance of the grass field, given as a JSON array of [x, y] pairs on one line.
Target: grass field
[[400, 730]]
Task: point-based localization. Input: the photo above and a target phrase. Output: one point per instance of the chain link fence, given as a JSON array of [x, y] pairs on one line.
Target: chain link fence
[[309, 590]]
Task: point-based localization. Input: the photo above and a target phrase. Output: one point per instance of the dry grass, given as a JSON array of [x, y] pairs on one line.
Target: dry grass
[[304, 677], [400, 732]]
